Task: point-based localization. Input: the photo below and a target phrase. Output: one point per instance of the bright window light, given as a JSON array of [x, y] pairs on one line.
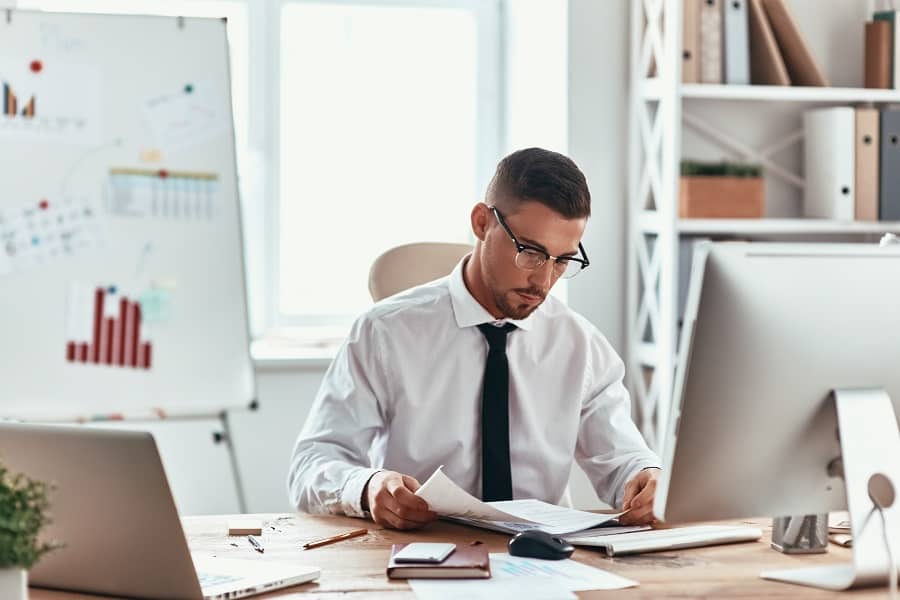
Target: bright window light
[[379, 144]]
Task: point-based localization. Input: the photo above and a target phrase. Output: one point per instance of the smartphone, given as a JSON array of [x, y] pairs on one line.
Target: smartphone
[[421, 552]]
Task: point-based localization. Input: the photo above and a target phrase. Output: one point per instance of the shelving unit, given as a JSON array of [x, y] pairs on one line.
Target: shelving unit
[[664, 115]]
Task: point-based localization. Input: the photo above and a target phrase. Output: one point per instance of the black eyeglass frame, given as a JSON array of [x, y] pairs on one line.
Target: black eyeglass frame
[[585, 263]]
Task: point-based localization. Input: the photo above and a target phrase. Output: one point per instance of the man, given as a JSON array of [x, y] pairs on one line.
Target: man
[[481, 372]]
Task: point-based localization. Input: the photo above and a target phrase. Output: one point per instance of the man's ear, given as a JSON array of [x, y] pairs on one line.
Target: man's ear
[[481, 218]]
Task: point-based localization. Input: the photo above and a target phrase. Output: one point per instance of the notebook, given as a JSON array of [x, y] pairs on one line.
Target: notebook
[[469, 561], [654, 540]]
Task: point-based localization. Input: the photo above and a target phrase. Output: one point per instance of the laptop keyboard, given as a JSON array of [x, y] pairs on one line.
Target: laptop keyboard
[[208, 580]]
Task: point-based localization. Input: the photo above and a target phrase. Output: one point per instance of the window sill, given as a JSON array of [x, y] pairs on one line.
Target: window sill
[[279, 353]]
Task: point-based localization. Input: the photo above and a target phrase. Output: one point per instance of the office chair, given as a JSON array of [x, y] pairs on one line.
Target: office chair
[[406, 266]]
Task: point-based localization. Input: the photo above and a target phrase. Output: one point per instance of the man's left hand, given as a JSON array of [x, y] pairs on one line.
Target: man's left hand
[[638, 500]]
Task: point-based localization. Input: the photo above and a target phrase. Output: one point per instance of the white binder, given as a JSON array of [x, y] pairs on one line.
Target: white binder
[[737, 42], [830, 163]]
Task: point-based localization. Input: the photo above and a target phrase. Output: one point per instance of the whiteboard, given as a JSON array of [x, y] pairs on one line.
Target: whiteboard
[[121, 270]]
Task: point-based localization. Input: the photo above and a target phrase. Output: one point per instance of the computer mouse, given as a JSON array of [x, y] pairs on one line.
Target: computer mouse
[[539, 544]]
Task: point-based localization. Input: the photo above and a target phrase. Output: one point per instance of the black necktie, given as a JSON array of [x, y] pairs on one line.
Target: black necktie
[[496, 479]]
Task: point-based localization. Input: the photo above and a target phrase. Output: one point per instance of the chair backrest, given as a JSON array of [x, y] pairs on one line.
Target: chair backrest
[[409, 265]]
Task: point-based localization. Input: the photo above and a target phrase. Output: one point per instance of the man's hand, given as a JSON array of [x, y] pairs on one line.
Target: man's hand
[[389, 497], [638, 500]]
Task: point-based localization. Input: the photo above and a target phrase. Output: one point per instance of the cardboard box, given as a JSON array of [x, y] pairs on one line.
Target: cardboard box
[[715, 197]]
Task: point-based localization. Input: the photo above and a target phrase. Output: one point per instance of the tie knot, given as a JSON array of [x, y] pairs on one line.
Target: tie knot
[[496, 336]]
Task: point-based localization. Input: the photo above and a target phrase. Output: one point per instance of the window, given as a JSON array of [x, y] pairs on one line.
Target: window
[[388, 128]]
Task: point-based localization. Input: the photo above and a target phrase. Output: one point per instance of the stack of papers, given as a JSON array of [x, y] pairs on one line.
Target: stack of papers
[[512, 516], [523, 579]]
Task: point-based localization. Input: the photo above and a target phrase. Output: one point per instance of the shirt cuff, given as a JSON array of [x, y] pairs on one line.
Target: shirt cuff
[[351, 495]]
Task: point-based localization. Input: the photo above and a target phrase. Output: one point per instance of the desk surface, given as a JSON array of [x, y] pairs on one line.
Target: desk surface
[[357, 565]]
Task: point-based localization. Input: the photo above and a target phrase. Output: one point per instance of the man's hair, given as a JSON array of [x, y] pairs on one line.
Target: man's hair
[[541, 176]]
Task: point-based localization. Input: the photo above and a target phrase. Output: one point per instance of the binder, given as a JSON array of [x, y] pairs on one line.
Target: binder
[[798, 59], [690, 43], [890, 17], [766, 65], [711, 41], [878, 67], [737, 42], [867, 149], [889, 163], [830, 163]]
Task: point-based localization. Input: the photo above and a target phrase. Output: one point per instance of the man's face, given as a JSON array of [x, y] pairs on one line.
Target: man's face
[[517, 292]]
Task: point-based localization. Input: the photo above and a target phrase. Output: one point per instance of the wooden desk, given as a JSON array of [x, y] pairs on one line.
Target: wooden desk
[[357, 565]]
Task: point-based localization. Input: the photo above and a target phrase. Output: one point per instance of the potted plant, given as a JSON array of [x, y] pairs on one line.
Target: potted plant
[[721, 191], [23, 513]]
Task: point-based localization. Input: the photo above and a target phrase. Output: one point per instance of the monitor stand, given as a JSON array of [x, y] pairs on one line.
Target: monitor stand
[[870, 449]]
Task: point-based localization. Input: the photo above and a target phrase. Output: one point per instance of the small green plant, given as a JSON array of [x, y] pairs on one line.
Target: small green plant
[[23, 513], [693, 168]]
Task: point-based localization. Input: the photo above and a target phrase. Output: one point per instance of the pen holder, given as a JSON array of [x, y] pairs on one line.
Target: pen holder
[[800, 534]]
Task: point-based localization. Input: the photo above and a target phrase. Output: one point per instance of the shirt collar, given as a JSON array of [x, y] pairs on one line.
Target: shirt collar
[[468, 311]]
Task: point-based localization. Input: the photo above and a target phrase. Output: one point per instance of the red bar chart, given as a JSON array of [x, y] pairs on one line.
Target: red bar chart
[[105, 328]]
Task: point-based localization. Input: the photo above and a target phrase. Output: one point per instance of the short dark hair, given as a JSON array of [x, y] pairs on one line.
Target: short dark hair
[[543, 176]]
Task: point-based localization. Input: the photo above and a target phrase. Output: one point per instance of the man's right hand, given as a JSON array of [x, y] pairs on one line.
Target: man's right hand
[[389, 496]]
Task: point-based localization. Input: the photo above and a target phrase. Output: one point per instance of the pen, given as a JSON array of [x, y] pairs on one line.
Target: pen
[[335, 538], [255, 543]]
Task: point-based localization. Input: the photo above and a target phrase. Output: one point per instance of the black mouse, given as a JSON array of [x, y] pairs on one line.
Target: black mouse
[[539, 544]]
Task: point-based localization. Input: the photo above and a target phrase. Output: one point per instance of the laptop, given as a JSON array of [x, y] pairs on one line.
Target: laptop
[[112, 508]]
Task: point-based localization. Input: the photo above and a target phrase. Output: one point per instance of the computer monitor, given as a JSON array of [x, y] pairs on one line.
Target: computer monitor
[[772, 335]]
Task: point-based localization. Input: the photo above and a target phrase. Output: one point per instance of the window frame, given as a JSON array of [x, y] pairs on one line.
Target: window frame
[[490, 97]]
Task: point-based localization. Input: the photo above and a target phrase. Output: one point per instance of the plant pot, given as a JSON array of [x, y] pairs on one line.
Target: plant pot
[[13, 584], [714, 197]]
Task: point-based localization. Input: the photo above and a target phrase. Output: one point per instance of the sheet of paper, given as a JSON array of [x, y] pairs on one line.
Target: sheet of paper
[[575, 576], [553, 519], [446, 498], [523, 588]]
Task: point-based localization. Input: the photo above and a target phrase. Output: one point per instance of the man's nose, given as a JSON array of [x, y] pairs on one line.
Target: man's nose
[[542, 277]]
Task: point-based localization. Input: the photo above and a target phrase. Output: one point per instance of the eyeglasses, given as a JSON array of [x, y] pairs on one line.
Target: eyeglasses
[[530, 258]]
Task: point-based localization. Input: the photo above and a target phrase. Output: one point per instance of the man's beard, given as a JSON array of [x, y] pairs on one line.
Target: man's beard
[[519, 311]]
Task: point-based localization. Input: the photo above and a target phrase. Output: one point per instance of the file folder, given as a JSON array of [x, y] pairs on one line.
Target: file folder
[[711, 41], [889, 159], [867, 149], [737, 42], [690, 43], [830, 163]]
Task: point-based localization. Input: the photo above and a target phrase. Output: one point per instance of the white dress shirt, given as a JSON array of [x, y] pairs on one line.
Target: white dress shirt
[[404, 393]]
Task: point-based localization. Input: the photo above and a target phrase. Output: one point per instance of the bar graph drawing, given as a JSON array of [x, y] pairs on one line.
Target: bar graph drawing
[[106, 328], [177, 195], [11, 104]]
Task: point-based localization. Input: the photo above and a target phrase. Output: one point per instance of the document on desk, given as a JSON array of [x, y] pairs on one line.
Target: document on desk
[[511, 516], [523, 579]]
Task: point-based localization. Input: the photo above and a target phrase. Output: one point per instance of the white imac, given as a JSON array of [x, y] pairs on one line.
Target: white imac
[[786, 396]]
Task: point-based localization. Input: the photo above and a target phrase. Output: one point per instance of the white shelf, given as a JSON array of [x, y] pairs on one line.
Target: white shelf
[[782, 227], [787, 93]]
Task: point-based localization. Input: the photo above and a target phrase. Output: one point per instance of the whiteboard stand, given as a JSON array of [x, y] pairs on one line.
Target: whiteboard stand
[[225, 436]]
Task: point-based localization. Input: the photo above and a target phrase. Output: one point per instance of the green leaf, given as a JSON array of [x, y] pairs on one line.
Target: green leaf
[[24, 512]]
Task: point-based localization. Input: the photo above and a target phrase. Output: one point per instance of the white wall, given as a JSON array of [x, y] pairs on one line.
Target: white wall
[[597, 120]]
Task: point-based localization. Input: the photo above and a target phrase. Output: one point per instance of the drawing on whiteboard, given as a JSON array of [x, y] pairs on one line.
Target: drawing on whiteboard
[[193, 115], [106, 327], [142, 193], [38, 101], [151, 155], [156, 302], [78, 164], [44, 230], [58, 40]]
